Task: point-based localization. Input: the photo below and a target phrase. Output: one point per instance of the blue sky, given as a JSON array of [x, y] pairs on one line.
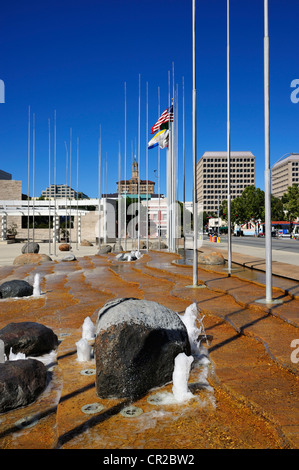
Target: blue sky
[[75, 57]]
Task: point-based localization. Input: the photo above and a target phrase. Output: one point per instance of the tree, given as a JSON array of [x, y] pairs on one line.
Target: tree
[[290, 202], [277, 212], [251, 205]]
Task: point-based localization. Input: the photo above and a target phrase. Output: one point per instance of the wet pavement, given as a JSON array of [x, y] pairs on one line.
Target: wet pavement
[[245, 397]]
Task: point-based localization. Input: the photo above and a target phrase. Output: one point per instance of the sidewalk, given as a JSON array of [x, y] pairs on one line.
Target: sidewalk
[[8, 252], [284, 263]]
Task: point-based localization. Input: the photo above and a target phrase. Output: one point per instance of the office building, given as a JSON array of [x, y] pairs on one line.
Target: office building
[[212, 177], [285, 173], [62, 191], [5, 176]]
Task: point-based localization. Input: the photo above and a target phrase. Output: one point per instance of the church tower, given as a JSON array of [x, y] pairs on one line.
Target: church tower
[[135, 171]]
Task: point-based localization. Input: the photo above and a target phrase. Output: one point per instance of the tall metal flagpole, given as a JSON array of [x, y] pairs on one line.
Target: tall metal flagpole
[[176, 169], [55, 213], [66, 180], [229, 238], [28, 174], [146, 166], [125, 204], [195, 274], [100, 163], [78, 194], [139, 168], [118, 199], [169, 187], [49, 187], [70, 194], [268, 240], [173, 166], [33, 177], [184, 183], [159, 216]]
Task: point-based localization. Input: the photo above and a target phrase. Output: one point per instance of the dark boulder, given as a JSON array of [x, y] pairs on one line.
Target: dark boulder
[[30, 247], [15, 288], [21, 382], [135, 347], [29, 338], [104, 249]]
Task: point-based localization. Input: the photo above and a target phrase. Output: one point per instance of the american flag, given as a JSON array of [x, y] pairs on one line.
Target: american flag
[[166, 116]]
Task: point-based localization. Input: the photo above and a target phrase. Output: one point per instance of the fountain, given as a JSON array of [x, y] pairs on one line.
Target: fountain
[[88, 329], [189, 319], [182, 366], [2, 358], [83, 350], [36, 286]]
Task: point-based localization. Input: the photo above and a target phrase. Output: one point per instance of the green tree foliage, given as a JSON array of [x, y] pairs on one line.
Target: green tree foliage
[[251, 205], [290, 202]]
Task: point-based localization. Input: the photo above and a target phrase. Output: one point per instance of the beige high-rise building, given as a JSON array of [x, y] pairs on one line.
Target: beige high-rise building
[[212, 177], [285, 173]]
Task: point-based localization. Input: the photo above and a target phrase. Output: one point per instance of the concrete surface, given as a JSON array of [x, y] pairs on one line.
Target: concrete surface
[[246, 397]]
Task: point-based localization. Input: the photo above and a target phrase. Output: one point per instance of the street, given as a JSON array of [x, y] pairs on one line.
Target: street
[[281, 244]]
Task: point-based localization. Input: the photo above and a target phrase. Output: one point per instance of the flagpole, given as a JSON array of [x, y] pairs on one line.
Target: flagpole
[[66, 180], [119, 211], [28, 217], [49, 188], [78, 192], [139, 169], [33, 177], [229, 238], [173, 167], [105, 211], [169, 189], [184, 184], [146, 167], [195, 274], [125, 204], [55, 213], [70, 194], [159, 217], [268, 240], [100, 156], [176, 168]]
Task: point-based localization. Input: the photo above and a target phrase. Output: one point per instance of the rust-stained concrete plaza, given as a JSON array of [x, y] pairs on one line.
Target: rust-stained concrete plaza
[[251, 401]]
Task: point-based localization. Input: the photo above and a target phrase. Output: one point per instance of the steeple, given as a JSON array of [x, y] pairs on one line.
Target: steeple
[[135, 171]]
